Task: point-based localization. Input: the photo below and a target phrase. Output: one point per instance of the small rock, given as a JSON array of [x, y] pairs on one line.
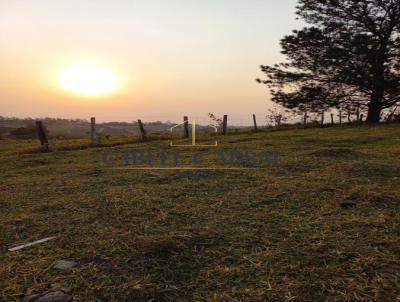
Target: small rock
[[57, 293], [54, 296], [64, 265], [28, 297], [49, 296], [348, 204], [60, 287]]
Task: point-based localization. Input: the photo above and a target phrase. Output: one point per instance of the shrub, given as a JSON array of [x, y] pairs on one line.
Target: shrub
[[27, 132]]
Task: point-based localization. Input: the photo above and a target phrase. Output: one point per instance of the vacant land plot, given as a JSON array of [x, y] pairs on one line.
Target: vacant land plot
[[321, 225]]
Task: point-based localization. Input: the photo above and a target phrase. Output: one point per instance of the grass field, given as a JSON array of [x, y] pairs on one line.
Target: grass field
[[322, 225]]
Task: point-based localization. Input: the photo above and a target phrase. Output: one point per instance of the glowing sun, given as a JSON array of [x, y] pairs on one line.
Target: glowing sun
[[88, 80]]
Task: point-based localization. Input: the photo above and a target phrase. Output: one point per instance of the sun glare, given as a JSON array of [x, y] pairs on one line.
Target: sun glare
[[88, 80]]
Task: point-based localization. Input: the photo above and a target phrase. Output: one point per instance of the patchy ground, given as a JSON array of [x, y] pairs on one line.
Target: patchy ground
[[322, 225]]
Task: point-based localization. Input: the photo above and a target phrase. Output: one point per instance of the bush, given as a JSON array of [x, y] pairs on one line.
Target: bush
[[27, 132]]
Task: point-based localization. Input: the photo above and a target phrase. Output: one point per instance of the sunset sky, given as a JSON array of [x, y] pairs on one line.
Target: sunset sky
[[148, 59]]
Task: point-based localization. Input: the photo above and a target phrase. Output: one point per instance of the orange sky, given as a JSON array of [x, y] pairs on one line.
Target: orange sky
[[171, 58]]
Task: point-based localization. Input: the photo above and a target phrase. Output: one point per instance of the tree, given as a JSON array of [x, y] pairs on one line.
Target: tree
[[276, 116], [217, 120], [348, 58]]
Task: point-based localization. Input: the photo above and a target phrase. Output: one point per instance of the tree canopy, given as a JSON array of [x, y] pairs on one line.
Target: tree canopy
[[348, 57]]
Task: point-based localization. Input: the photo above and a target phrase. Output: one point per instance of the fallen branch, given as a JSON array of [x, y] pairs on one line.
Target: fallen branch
[[30, 244]]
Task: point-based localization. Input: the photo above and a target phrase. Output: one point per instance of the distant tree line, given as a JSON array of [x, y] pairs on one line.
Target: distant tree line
[[48, 120], [25, 128]]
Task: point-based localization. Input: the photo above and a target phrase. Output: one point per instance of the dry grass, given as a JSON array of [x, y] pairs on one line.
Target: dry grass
[[258, 235]]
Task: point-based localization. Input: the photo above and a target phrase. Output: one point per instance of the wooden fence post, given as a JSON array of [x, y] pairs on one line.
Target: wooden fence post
[[361, 118], [322, 117], [278, 120], [349, 116], [332, 120], [142, 131], [93, 134], [42, 136], [225, 124], [340, 117], [305, 118], [186, 126], [255, 122]]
